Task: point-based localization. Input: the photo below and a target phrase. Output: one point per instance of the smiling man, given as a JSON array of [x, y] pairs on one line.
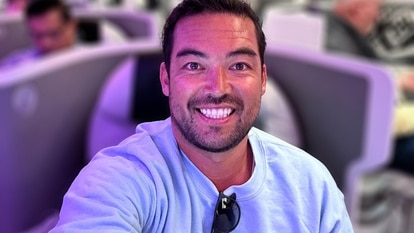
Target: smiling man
[[206, 169], [215, 91]]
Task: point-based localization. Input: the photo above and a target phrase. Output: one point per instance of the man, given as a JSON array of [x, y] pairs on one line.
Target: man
[[205, 169], [347, 28], [349, 24], [51, 28]]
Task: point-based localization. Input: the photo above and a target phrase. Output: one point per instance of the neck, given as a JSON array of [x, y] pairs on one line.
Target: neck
[[233, 167]]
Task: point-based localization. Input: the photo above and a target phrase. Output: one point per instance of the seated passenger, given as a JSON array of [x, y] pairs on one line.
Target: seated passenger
[[51, 28], [348, 25]]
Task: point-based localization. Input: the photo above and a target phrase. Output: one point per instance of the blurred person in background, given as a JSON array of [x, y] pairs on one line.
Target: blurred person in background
[[51, 27], [348, 26]]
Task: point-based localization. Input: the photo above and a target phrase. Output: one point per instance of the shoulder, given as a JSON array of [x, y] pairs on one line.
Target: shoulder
[[288, 160], [148, 141], [121, 172], [127, 177], [19, 57], [150, 150], [275, 146], [336, 28]]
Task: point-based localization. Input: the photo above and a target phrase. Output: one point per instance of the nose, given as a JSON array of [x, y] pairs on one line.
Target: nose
[[218, 81], [45, 44]]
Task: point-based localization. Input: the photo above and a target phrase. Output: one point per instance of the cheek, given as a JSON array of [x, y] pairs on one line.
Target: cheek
[[65, 37], [252, 94], [254, 85], [179, 91]]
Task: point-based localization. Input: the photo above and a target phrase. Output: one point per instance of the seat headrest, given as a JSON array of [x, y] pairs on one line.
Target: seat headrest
[[148, 103]]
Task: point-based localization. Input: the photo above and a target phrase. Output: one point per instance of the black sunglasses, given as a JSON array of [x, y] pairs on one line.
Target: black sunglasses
[[226, 215]]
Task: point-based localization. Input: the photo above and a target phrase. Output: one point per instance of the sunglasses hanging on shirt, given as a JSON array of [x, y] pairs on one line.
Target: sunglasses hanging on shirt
[[226, 214]]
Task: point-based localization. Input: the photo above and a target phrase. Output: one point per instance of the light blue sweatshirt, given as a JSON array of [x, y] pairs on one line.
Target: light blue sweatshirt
[[146, 184]]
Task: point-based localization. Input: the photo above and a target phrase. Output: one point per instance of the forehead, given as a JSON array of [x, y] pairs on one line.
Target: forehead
[[214, 30], [52, 16]]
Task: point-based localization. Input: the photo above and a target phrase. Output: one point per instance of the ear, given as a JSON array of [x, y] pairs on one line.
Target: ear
[[72, 27], [164, 79], [73, 23], [264, 79]]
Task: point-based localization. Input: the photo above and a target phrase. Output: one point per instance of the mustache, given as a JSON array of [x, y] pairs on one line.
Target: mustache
[[210, 99]]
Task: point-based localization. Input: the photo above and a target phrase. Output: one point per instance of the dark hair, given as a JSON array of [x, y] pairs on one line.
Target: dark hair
[[195, 7], [40, 7]]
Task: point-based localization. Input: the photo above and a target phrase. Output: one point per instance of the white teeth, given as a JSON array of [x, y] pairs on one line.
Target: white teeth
[[216, 113]]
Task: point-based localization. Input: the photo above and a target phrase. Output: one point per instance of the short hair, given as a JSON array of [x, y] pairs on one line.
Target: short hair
[[195, 7], [40, 7]]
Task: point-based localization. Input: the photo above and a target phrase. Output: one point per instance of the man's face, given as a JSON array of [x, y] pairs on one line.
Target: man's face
[[216, 80], [50, 32]]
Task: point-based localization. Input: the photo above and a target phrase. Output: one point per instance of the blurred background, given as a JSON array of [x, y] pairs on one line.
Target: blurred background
[[80, 79]]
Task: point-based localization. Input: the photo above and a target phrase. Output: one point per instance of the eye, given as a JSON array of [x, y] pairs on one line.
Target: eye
[[239, 66], [192, 66]]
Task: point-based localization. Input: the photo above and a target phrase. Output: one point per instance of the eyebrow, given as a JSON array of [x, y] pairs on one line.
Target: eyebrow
[[242, 51], [188, 52]]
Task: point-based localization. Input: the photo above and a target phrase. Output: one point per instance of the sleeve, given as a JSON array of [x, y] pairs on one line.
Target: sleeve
[[111, 194], [404, 109], [404, 120], [19, 58], [329, 203], [335, 217]]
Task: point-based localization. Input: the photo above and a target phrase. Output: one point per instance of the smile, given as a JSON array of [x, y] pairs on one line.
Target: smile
[[216, 113]]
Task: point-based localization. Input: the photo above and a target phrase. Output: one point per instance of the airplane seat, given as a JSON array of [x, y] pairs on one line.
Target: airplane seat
[[131, 95], [294, 27], [345, 111], [46, 106]]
